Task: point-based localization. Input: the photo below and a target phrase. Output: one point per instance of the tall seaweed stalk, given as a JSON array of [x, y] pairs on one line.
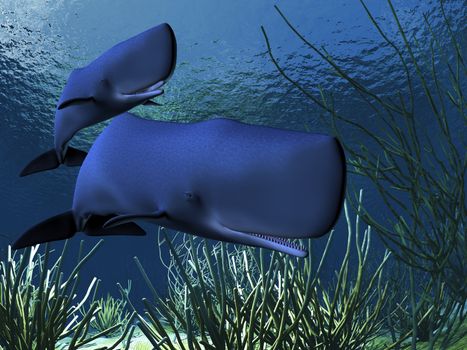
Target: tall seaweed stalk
[[420, 179], [38, 305], [229, 297]]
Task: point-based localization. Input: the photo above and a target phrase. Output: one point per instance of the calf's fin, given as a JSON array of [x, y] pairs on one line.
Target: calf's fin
[[49, 161], [151, 103]]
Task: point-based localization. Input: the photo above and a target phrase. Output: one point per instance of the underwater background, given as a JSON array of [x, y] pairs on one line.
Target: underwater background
[[223, 70]]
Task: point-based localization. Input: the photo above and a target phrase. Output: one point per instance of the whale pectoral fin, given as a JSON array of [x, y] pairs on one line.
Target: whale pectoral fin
[[151, 103], [140, 97], [46, 161], [74, 156], [122, 219], [95, 227], [56, 228], [143, 96], [156, 86]]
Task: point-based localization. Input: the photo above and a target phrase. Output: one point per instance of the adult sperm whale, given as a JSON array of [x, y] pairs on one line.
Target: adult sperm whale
[[220, 179], [128, 74]]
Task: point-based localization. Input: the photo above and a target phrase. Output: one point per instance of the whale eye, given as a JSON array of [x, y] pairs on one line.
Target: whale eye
[[191, 197]]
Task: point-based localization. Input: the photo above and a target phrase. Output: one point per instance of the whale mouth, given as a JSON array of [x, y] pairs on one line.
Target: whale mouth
[[261, 240], [282, 244]]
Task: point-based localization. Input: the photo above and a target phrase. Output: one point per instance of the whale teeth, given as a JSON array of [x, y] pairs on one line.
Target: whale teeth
[[279, 241]]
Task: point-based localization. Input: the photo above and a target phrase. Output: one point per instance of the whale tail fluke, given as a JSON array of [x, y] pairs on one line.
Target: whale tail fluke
[[56, 228], [63, 226], [46, 161], [49, 161], [74, 156]]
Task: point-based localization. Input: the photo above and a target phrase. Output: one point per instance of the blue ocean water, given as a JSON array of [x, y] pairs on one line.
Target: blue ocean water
[[223, 70]]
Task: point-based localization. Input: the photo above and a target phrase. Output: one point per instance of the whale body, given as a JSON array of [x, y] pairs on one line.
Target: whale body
[[219, 179], [128, 74]]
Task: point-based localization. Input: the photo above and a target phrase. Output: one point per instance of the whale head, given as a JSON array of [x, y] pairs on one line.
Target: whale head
[[192, 212], [258, 203]]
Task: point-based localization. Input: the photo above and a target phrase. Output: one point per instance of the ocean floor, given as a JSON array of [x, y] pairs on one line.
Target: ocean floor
[[140, 342]]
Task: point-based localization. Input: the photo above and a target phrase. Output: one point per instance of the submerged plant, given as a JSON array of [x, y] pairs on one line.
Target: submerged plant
[[112, 312], [38, 301], [420, 179], [224, 297]]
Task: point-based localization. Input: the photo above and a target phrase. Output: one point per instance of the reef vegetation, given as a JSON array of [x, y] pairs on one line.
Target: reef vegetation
[[220, 296], [223, 297], [112, 311], [418, 171], [38, 302]]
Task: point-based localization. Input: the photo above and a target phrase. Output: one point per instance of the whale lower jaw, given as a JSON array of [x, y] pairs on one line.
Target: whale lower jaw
[[261, 240], [281, 244]]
